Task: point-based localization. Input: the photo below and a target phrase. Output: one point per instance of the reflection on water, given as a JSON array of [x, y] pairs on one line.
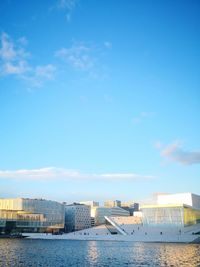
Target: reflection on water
[[50, 253], [92, 252], [188, 255]]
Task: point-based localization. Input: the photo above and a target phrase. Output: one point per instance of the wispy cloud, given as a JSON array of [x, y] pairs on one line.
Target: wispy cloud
[[22, 40], [175, 152], [7, 51], [142, 116], [46, 71], [78, 56], [86, 58], [17, 68], [52, 173], [68, 6], [39, 76], [15, 60]]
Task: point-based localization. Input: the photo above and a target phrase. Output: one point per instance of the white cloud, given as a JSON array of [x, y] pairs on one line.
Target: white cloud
[[78, 56], [175, 152], [14, 61], [52, 173], [23, 41], [85, 58], [7, 51], [13, 58], [17, 68], [46, 71], [68, 6], [39, 75]]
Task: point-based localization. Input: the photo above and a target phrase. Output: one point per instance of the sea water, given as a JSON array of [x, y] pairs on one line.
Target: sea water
[[58, 253]]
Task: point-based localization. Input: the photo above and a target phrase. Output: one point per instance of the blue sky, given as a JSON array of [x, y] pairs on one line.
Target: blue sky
[[99, 99]]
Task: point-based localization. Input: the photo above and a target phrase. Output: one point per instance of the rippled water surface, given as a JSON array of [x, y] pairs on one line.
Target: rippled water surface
[[22, 252]]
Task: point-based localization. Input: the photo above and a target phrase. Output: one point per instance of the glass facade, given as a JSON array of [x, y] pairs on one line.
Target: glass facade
[[53, 211], [170, 215], [99, 213], [191, 216], [30, 215]]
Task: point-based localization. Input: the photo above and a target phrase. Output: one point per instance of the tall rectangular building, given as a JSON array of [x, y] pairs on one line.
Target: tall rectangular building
[[77, 217]]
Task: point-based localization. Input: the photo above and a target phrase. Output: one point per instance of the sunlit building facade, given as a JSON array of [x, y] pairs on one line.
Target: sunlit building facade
[[31, 215], [189, 199], [173, 210]]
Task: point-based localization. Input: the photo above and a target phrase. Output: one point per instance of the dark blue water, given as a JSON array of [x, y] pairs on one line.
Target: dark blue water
[[57, 253]]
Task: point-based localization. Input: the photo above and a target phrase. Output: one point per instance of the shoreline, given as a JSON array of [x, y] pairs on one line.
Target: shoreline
[[12, 236]]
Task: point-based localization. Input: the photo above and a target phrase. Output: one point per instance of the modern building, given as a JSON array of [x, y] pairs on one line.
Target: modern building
[[98, 213], [92, 221], [173, 210], [77, 217], [112, 203], [30, 215], [91, 204], [174, 219], [130, 206], [181, 198], [117, 211]]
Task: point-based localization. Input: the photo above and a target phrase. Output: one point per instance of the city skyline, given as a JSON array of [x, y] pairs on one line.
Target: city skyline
[[99, 99]]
